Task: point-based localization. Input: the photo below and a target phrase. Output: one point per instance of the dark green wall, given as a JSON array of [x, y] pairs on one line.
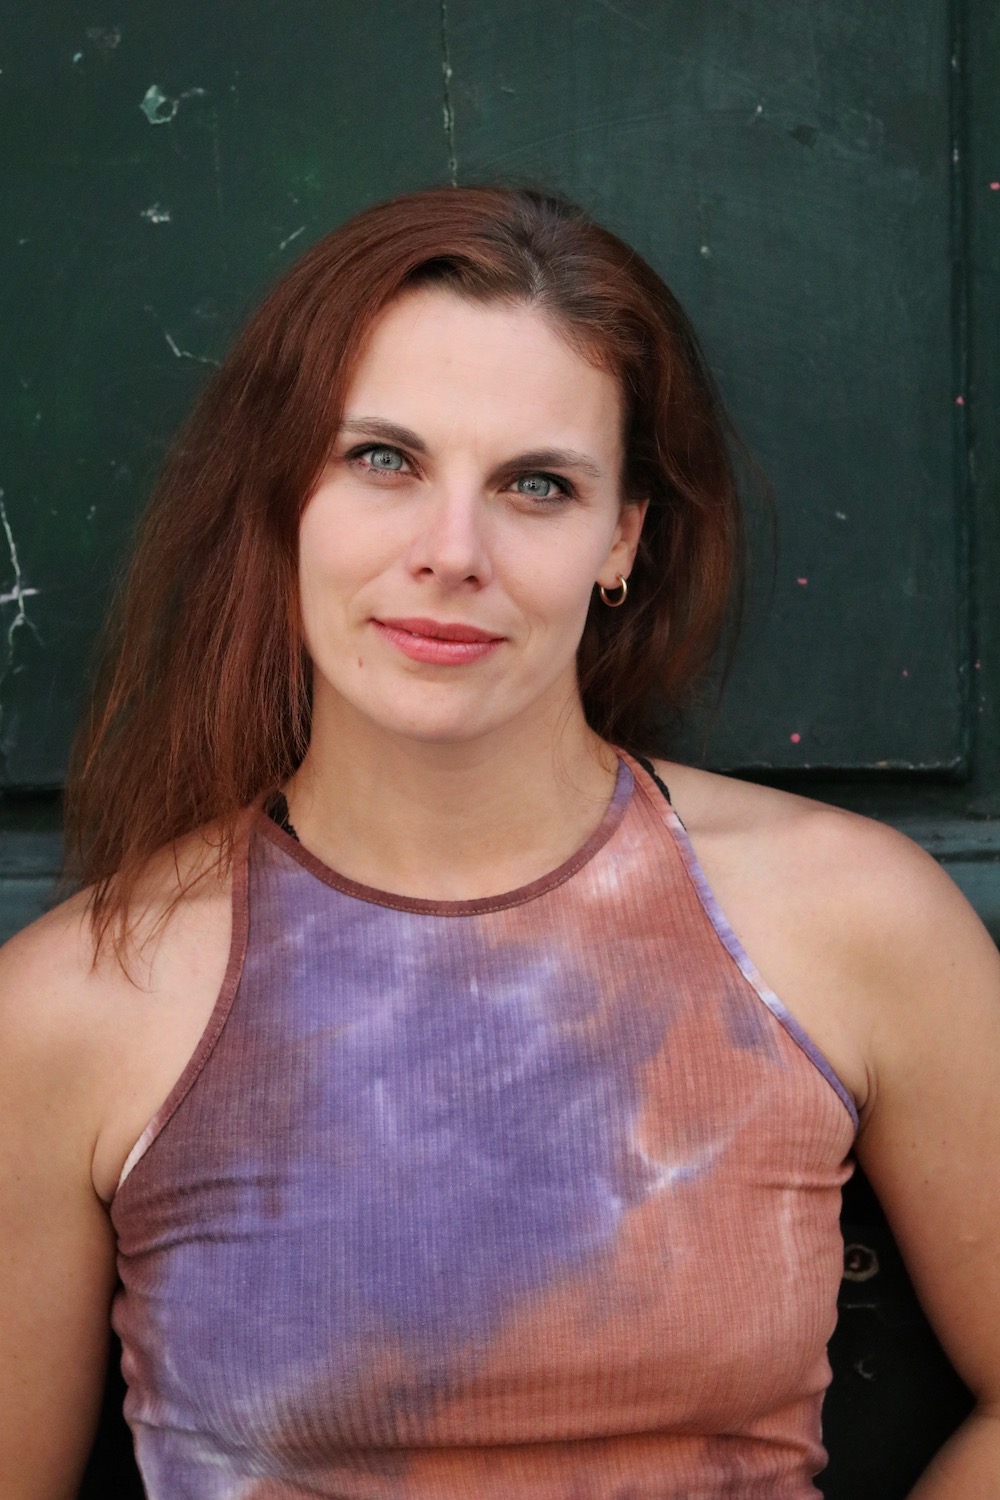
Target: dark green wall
[[789, 168]]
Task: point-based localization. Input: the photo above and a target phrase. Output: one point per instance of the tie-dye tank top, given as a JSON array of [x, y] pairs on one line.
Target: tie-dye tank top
[[533, 1197]]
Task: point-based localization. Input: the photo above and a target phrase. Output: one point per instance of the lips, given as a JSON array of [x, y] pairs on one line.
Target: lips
[[438, 643], [439, 630]]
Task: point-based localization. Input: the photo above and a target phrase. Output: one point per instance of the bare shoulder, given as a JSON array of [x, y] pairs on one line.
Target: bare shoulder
[[856, 876], [859, 931], [92, 1044]]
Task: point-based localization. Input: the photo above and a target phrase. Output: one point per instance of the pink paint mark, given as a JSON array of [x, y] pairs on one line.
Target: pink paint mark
[[905, 672], [795, 738], [959, 400], [978, 665], [995, 187], [801, 582]]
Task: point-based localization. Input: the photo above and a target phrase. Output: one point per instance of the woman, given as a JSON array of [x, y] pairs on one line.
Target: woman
[[452, 1141]]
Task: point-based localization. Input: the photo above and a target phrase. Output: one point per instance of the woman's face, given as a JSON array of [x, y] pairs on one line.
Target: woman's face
[[448, 555]]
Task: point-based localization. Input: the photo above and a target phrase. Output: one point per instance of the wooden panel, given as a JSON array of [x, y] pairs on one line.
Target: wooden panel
[[787, 169], [159, 171]]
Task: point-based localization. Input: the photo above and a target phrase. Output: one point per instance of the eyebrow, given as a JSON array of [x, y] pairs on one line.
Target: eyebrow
[[535, 458]]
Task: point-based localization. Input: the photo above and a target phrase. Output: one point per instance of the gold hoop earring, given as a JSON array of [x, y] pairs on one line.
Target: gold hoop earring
[[614, 603]]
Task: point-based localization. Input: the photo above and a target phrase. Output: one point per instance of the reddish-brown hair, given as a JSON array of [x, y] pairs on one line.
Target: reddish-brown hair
[[203, 702]]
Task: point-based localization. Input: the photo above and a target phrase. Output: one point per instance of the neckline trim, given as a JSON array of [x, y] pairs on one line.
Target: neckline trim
[[613, 814]]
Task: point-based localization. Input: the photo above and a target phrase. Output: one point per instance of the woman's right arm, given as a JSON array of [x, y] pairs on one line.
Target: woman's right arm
[[57, 1261]]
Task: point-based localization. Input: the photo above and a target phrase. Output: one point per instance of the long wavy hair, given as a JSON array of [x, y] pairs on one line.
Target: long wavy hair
[[202, 701]]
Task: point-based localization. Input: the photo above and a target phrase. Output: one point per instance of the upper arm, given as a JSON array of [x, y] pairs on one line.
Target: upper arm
[[57, 1266], [930, 1136]]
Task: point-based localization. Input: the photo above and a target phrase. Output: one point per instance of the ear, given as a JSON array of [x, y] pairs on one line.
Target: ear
[[621, 556]]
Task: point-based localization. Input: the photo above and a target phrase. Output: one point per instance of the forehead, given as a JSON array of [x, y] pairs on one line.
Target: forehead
[[434, 361]]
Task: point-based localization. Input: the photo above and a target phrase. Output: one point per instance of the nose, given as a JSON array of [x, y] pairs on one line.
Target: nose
[[451, 543]]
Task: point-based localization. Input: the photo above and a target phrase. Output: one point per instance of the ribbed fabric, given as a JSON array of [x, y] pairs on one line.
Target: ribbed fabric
[[526, 1198]]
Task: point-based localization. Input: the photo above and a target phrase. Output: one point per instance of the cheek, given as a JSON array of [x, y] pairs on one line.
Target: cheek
[[555, 580], [335, 558]]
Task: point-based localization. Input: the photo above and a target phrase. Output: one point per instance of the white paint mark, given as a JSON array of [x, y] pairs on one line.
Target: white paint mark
[[447, 107], [160, 108], [153, 102], [179, 353], [78, 57], [705, 250], [841, 516], [18, 593], [156, 214], [92, 512], [174, 346], [293, 236]]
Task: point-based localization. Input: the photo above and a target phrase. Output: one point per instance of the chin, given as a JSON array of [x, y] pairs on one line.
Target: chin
[[439, 731]]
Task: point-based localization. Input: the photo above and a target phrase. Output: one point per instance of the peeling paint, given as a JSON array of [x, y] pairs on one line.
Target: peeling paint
[[160, 108], [153, 101]]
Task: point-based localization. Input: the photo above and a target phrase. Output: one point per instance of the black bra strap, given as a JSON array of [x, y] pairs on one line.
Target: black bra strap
[[276, 809], [647, 765]]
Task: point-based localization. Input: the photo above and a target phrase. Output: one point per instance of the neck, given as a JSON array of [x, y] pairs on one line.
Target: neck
[[451, 821]]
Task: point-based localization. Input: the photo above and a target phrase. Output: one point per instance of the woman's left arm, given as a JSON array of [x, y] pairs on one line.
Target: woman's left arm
[[930, 1134]]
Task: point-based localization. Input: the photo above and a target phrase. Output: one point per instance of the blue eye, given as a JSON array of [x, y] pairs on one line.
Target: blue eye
[[541, 487], [389, 460]]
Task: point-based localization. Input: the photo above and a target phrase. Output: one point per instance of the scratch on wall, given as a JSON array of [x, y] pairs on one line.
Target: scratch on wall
[[283, 244], [447, 107], [624, 15], [18, 593], [179, 353], [15, 595], [174, 346]]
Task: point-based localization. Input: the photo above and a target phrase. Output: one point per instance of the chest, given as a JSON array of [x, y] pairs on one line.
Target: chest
[[457, 1187]]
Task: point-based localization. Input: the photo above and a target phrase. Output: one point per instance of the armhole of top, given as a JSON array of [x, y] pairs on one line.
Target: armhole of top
[[735, 948], [220, 1010]]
